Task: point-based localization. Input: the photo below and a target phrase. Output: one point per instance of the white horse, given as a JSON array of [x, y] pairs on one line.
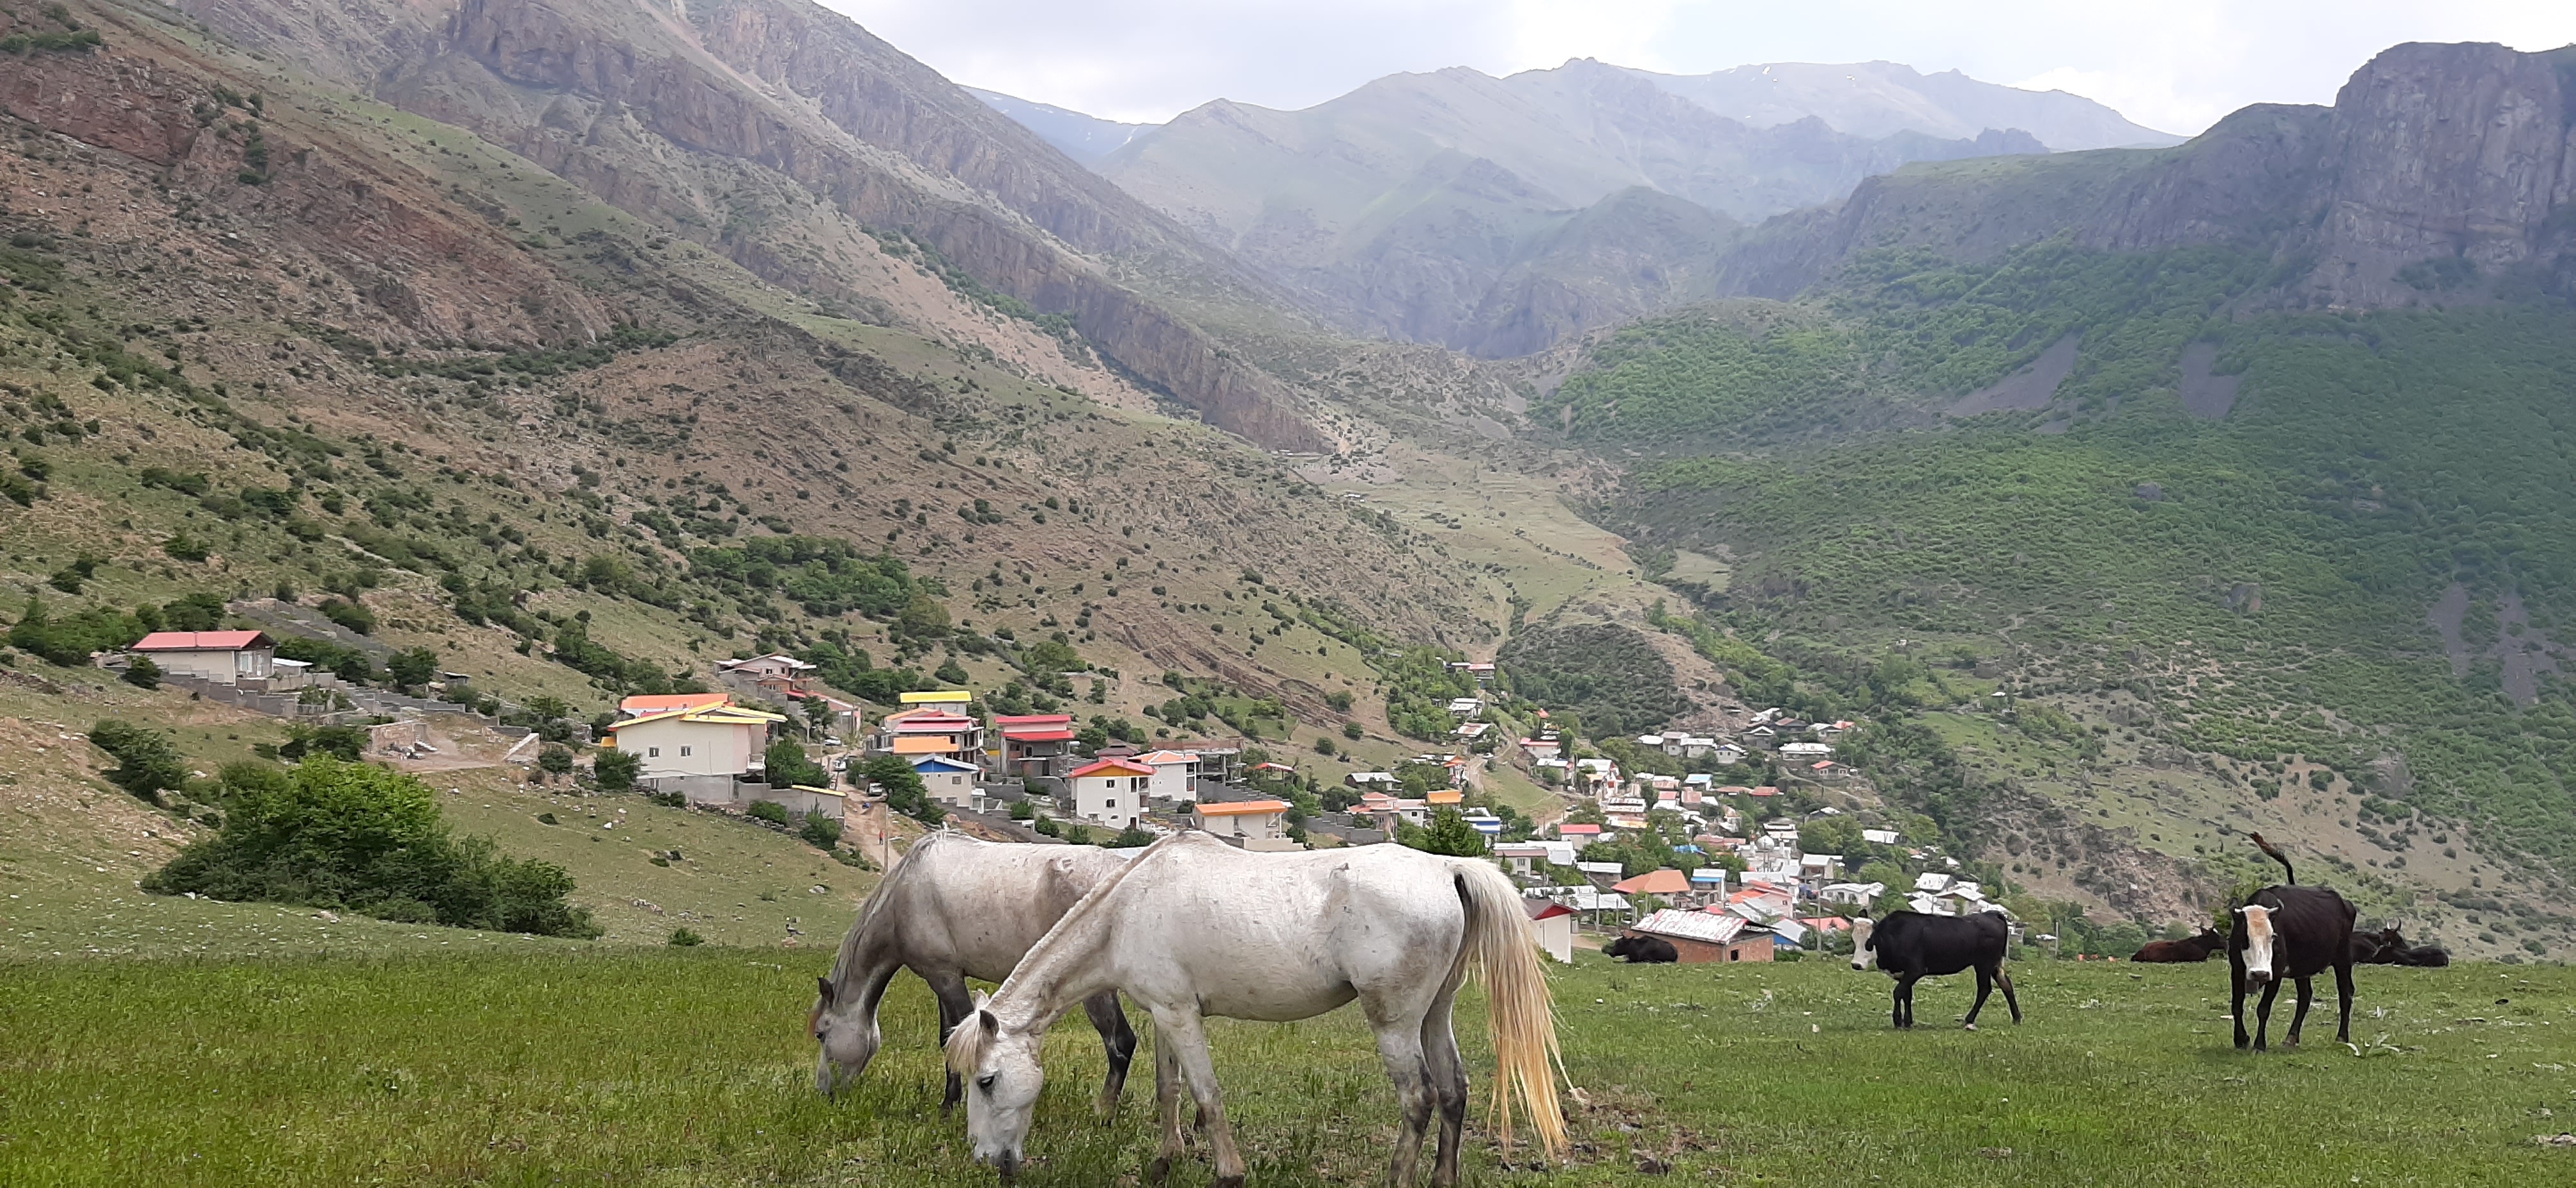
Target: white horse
[[955, 908], [1194, 927]]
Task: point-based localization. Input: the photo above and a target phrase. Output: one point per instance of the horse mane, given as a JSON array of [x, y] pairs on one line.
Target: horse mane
[[864, 927]]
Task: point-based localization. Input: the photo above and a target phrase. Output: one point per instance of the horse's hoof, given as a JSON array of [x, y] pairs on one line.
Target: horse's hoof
[[1971, 1026]]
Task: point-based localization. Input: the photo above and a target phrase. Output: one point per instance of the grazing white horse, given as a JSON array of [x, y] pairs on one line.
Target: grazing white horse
[[955, 908], [1194, 927]]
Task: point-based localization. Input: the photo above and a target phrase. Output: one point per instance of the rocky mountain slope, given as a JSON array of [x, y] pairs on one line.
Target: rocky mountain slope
[[1082, 137], [1885, 98], [2431, 180], [1496, 215]]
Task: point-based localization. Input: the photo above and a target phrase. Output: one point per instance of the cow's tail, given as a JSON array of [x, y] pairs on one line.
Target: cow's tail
[[2277, 856], [1520, 1017]]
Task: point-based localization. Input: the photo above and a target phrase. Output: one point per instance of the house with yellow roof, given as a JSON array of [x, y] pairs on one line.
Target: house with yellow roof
[[700, 740]]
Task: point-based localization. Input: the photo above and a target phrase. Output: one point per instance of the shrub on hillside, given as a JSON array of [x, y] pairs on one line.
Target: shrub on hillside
[[331, 834], [69, 640], [767, 810], [142, 673], [823, 831], [616, 770], [147, 764]]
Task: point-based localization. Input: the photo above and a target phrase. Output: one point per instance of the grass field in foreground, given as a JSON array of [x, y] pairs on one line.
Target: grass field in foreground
[[688, 1067]]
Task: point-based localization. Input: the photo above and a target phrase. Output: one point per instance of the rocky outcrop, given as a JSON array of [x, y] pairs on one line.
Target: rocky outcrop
[[2441, 173]]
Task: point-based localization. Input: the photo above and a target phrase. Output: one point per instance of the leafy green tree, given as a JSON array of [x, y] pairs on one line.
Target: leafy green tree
[[554, 760], [412, 667], [142, 673], [822, 831], [343, 742], [146, 763], [616, 770], [1353, 731], [1448, 833], [949, 672], [904, 791], [787, 763], [332, 834]]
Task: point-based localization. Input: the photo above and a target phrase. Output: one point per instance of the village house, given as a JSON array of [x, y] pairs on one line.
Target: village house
[[1702, 938], [1727, 754], [1174, 773], [777, 674], [1534, 857], [1248, 822], [1804, 752], [1859, 895], [655, 703], [1033, 744], [1554, 924], [947, 780], [216, 657], [705, 740], [1466, 706], [1471, 731], [1879, 837], [1600, 874], [1371, 781], [1664, 883], [1110, 792], [931, 730], [1579, 834]]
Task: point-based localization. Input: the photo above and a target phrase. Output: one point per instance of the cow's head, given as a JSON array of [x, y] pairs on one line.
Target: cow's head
[[1864, 943], [2257, 921], [1618, 946]]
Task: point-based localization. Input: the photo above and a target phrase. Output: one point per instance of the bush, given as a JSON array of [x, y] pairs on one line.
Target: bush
[[1353, 732], [1023, 810], [343, 742], [332, 834], [68, 641], [412, 667], [685, 939], [353, 615], [616, 770], [767, 810], [822, 831], [147, 764], [554, 760], [142, 673], [787, 764]]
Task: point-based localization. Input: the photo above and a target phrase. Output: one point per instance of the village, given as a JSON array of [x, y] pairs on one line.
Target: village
[[1719, 871]]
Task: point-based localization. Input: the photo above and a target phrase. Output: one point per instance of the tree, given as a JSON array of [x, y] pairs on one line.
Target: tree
[[1448, 833], [616, 770], [1353, 731], [822, 831], [1830, 835], [904, 791], [787, 764], [142, 673], [818, 715], [146, 762], [412, 667], [353, 835], [949, 672], [1130, 838], [555, 760], [923, 617]]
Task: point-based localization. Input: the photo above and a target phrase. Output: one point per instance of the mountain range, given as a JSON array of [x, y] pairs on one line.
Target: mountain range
[[2133, 498]]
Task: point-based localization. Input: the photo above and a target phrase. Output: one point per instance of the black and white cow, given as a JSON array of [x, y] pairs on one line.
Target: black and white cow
[[2290, 933], [1912, 946]]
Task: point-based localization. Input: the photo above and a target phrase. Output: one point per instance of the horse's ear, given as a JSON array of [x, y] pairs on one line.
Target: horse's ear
[[823, 987], [992, 1024]]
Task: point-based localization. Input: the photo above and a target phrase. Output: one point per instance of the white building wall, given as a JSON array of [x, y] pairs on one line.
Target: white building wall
[[692, 748], [1114, 801]]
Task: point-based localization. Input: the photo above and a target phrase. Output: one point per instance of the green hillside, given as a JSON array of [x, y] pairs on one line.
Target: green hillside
[[2269, 581]]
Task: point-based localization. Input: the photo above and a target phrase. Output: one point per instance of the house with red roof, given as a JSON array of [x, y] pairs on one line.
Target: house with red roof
[[654, 703], [216, 657], [1174, 774], [1110, 792], [930, 730], [1033, 744]]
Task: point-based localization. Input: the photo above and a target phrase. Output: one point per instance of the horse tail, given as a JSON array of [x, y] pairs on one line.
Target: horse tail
[[1520, 1019]]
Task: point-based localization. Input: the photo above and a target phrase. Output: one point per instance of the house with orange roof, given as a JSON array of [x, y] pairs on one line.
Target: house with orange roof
[[1243, 821], [930, 730], [216, 657], [654, 703], [1175, 773], [1110, 792], [1665, 882]]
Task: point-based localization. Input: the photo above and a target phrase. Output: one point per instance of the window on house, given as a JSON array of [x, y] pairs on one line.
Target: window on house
[[684, 751], [1110, 803]]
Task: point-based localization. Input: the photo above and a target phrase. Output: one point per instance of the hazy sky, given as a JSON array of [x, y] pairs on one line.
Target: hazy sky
[[2170, 64]]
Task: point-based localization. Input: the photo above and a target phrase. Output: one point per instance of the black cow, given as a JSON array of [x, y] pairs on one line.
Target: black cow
[[1912, 946], [2193, 948], [1642, 950], [2426, 956], [2289, 933]]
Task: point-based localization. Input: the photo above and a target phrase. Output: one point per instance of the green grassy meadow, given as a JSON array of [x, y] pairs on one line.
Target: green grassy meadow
[[594, 1064]]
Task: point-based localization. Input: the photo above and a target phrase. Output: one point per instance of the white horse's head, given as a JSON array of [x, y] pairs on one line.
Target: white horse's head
[[1864, 951], [1000, 1064], [847, 1033]]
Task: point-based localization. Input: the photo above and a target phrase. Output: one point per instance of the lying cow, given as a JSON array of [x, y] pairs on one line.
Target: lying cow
[[2193, 948], [1912, 946], [1642, 950]]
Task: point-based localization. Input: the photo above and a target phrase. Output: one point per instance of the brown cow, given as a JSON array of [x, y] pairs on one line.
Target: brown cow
[[2195, 948]]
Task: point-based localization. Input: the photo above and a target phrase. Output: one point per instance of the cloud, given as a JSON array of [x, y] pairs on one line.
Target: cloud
[[2172, 64]]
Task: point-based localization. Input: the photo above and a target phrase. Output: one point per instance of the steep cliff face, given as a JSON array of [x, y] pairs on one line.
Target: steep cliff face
[[780, 135], [2442, 173]]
